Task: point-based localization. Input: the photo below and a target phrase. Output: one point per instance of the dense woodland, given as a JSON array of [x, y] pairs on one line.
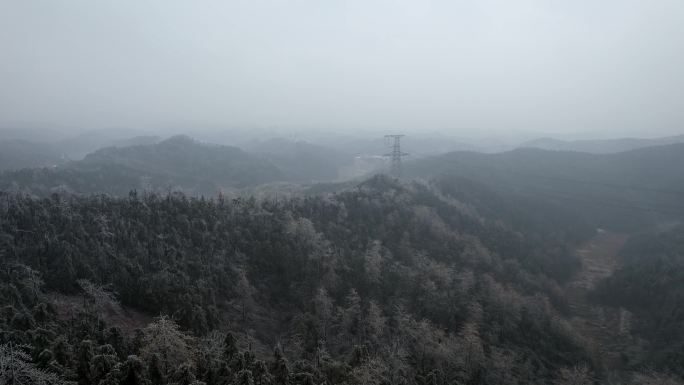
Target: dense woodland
[[384, 283], [650, 284]]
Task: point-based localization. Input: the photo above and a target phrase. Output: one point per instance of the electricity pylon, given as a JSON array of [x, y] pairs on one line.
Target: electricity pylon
[[396, 154]]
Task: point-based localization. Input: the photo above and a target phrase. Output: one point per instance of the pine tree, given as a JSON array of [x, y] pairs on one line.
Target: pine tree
[[244, 377], [133, 372], [279, 368], [84, 358], [230, 348]]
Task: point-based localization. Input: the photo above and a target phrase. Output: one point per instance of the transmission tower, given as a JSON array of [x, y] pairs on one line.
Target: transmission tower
[[395, 156]]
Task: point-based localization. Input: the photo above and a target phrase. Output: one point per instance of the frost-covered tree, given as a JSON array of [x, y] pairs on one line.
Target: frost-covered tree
[[244, 291], [323, 307], [97, 298], [16, 368], [578, 375], [164, 340]]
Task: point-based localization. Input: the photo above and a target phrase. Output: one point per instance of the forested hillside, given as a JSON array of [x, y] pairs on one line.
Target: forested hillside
[[623, 191], [178, 164], [381, 284], [650, 283]]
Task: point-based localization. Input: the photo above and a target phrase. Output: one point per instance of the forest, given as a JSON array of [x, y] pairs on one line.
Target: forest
[[387, 282], [649, 283]]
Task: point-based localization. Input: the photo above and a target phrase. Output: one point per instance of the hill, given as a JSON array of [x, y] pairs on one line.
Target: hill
[[622, 190], [178, 163], [650, 284], [302, 161], [604, 146], [385, 281]]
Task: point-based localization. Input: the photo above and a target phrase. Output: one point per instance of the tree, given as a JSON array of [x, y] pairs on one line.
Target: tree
[[84, 358], [323, 306], [16, 368], [473, 350], [375, 322], [97, 298], [372, 371], [373, 262], [163, 340], [577, 375], [654, 378], [244, 377], [279, 368], [245, 291], [103, 362], [183, 375], [230, 348], [351, 316], [261, 374], [133, 372]]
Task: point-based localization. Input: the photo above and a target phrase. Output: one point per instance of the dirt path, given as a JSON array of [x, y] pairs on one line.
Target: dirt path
[[606, 330]]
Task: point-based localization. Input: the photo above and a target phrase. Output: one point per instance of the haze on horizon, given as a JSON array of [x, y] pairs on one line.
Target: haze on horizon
[[595, 68]]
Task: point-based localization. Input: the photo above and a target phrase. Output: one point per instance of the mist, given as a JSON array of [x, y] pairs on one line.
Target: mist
[[341, 192], [581, 69]]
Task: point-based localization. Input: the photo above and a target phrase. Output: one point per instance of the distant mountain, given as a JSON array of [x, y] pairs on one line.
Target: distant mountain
[[75, 145], [178, 163], [17, 154], [606, 146], [619, 190], [30, 132], [302, 161], [417, 145], [136, 141], [78, 146], [186, 159]]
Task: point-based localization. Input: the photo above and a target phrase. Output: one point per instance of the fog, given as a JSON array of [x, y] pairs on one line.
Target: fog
[[474, 68]]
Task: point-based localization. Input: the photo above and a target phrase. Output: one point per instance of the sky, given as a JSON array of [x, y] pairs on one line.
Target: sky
[[593, 68]]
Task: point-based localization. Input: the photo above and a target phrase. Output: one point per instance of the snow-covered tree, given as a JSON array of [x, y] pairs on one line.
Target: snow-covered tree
[[16, 369], [164, 339]]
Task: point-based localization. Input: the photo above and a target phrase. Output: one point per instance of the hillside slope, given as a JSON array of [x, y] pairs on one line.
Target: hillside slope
[[178, 163], [623, 190], [385, 280], [600, 146], [649, 282]]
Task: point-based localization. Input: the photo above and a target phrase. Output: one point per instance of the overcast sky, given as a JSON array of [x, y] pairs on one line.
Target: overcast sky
[[596, 67]]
